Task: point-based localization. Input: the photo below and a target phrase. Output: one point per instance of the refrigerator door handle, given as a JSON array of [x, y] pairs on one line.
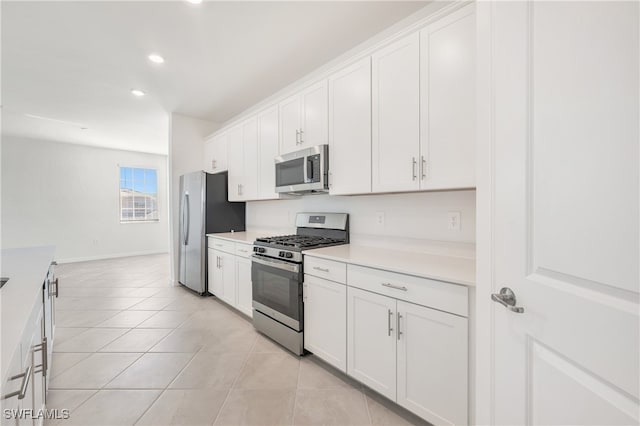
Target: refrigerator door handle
[[188, 224]]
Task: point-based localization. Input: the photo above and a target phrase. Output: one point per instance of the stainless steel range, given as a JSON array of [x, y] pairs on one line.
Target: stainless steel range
[[276, 275]]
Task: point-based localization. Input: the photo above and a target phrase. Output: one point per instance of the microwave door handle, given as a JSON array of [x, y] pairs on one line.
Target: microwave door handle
[[304, 171], [309, 173]]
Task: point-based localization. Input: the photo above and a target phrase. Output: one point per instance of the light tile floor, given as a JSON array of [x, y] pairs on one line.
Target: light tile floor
[[131, 349]]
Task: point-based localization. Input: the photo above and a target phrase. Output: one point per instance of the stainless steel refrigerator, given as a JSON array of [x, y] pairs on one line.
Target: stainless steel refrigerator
[[204, 209]]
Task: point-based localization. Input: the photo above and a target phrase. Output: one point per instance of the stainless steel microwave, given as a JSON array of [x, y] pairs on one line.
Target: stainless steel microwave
[[304, 171]]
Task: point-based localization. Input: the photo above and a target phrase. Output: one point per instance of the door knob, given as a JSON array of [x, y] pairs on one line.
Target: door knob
[[507, 298]]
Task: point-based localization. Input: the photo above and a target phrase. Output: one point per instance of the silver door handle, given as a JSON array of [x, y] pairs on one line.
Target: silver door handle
[[413, 167], [398, 332], [507, 298], [321, 269], [424, 167], [396, 287], [42, 347], [23, 386], [389, 322], [188, 210], [301, 139]]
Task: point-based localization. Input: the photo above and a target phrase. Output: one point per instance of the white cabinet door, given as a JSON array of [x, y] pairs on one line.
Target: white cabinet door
[[396, 116], [215, 154], [350, 129], [447, 154], [325, 320], [243, 285], [315, 111], [249, 181], [290, 124], [236, 162], [214, 273], [268, 150], [371, 340], [432, 363], [228, 268]]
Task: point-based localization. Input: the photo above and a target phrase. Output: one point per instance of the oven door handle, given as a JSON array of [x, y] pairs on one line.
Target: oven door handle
[[285, 266]]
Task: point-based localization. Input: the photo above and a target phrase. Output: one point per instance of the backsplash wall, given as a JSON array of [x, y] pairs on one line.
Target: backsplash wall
[[409, 218]]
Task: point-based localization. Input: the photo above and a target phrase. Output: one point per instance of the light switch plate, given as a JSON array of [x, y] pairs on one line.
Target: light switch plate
[[453, 221]]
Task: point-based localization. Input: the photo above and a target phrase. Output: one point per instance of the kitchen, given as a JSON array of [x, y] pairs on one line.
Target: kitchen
[[455, 197]]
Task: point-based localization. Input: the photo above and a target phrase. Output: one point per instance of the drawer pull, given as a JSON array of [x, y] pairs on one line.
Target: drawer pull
[[243, 251], [396, 287], [317, 268], [23, 386], [219, 245]]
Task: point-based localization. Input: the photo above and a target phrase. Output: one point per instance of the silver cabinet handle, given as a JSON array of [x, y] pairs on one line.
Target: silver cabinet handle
[[239, 189], [213, 164], [424, 167], [297, 136], [317, 268], [301, 138], [330, 180], [42, 347], [243, 251], [507, 298], [390, 329], [51, 284], [23, 386], [413, 167], [398, 332], [396, 287], [219, 245]]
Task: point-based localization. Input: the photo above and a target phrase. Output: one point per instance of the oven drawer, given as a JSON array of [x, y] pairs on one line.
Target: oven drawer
[[222, 245], [243, 250], [422, 291], [327, 269]]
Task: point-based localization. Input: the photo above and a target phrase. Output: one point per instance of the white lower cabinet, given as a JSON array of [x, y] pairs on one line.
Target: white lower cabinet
[[411, 354], [325, 317], [244, 291], [229, 273], [371, 340]]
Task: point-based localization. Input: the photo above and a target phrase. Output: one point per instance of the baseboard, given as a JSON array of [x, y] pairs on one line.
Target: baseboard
[[109, 256]]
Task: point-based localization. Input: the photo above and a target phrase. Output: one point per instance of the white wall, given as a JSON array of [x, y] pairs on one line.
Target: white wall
[[411, 221], [67, 195], [186, 150]]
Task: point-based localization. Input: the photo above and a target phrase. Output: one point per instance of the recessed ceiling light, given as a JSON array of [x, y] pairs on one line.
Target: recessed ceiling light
[[195, 1], [156, 58], [137, 92]]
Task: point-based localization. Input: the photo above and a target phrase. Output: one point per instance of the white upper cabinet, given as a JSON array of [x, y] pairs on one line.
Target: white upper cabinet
[[215, 154], [350, 129], [236, 162], [304, 119], [447, 49], [315, 125], [267, 151], [243, 161], [396, 116]]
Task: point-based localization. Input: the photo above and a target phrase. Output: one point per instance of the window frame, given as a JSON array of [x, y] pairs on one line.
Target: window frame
[[126, 222]]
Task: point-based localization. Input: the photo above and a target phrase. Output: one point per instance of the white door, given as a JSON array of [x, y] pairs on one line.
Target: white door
[[249, 183], [350, 129], [315, 113], [290, 124], [395, 76], [243, 280], [214, 265], [432, 363], [228, 268], [447, 104], [267, 151], [235, 162], [565, 110], [371, 340], [325, 320]]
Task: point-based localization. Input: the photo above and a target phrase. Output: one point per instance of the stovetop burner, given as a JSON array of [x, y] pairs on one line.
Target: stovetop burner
[[300, 241]]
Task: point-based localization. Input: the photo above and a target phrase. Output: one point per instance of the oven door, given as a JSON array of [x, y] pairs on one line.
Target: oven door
[[277, 290]]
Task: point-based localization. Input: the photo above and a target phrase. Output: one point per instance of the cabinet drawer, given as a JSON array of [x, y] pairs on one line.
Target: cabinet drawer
[[243, 250], [327, 269], [222, 245], [434, 294]]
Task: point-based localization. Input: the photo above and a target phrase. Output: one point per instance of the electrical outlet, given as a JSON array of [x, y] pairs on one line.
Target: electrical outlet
[[453, 221], [380, 219]]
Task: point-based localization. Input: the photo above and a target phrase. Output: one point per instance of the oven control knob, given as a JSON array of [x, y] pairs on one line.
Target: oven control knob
[[288, 255], [281, 254], [261, 249], [255, 249]]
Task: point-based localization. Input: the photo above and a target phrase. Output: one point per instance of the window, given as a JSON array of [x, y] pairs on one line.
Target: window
[[138, 195]]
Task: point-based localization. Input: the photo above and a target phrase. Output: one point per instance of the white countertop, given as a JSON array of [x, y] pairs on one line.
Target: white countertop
[[457, 270], [247, 237], [26, 269]]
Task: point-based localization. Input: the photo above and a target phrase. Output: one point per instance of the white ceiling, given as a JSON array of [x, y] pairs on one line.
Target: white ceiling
[[77, 61]]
